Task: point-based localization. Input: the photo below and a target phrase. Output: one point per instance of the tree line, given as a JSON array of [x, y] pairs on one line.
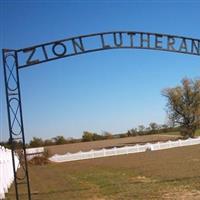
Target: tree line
[[87, 136], [183, 110]]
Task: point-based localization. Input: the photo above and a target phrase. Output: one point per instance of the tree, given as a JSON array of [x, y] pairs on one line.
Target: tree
[[36, 142], [59, 140], [87, 136], [48, 142], [132, 132], [165, 128], [141, 129], [146, 131], [107, 135], [96, 137], [183, 106], [153, 128]]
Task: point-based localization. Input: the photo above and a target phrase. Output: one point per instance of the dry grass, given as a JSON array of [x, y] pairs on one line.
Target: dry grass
[[39, 160], [168, 174], [119, 142]]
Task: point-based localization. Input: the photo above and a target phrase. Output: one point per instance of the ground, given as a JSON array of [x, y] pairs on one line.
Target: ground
[[168, 174]]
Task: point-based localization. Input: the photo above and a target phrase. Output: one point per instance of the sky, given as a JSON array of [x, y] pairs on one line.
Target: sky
[[113, 90]]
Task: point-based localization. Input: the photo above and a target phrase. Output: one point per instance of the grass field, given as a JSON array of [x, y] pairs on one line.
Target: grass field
[[197, 132], [167, 174]]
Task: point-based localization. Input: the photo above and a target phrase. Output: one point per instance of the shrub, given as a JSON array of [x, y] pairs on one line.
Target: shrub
[[41, 159]]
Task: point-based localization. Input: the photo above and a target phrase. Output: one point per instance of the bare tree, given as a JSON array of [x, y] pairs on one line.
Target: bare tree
[[183, 105]]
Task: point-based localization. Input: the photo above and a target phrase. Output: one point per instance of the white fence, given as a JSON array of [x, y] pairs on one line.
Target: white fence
[[123, 150], [33, 152], [6, 170]]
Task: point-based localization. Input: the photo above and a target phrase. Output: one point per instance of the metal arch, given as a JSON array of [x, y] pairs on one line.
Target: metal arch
[[14, 60], [104, 41]]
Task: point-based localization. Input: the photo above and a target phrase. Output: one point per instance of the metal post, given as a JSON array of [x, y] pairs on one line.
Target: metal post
[[15, 120]]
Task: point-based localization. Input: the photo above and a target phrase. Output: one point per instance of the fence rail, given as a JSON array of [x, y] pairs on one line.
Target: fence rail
[[123, 150], [6, 170], [33, 152]]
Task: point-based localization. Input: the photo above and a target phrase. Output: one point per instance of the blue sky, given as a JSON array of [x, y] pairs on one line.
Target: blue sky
[[111, 90]]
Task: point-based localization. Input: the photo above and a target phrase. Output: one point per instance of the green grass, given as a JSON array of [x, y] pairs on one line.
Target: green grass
[[158, 175], [109, 184], [197, 132]]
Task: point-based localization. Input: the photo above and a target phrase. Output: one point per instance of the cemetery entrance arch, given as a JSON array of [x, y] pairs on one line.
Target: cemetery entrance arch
[[14, 60]]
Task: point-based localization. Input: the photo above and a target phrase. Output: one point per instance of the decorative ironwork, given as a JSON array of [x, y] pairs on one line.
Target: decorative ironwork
[[14, 60], [15, 120]]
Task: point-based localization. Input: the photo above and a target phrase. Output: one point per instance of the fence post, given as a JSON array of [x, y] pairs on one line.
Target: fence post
[[81, 157], [6, 171], [126, 149], [170, 144], [104, 152], [2, 194], [180, 143], [159, 145], [115, 150], [137, 146], [92, 151]]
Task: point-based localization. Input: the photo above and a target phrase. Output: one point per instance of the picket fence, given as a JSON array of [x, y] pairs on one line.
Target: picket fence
[[33, 152], [6, 170], [124, 150]]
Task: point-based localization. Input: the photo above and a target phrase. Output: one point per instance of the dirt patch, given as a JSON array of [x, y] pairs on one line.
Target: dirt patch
[[97, 198], [39, 160], [142, 179], [182, 194], [195, 160]]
